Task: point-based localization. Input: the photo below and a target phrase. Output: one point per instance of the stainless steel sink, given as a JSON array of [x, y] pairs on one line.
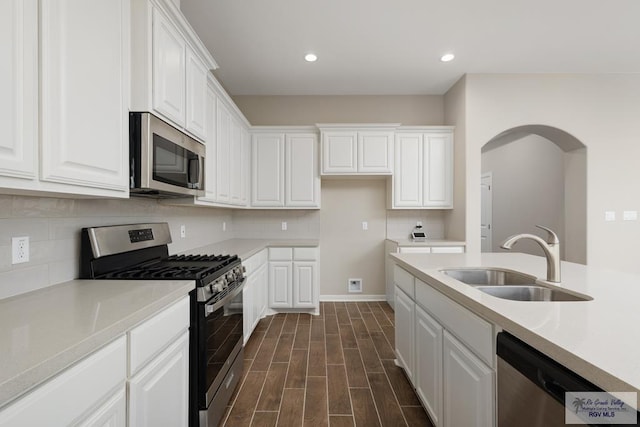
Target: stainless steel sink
[[511, 285], [489, 276], [531, 293]]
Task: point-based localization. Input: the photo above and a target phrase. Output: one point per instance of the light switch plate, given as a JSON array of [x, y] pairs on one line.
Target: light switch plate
[[630, 215], [365, 225], [610, 216]]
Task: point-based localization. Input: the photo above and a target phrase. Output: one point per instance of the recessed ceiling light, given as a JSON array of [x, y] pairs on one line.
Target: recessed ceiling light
[[447, 57], [310, 57]]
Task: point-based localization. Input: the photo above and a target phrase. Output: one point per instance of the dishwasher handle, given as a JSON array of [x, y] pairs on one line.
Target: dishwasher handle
[[550, 376]]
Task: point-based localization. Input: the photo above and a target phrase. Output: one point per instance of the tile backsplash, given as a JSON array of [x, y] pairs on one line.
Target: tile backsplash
[[53, 226]]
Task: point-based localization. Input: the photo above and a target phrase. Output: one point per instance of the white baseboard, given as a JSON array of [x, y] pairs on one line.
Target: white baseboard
[[346, 298]]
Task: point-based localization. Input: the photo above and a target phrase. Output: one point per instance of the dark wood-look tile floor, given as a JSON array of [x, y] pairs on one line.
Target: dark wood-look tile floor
[[335, 370]]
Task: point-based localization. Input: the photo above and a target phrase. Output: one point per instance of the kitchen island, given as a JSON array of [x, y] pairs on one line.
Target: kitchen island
[[596, 338]]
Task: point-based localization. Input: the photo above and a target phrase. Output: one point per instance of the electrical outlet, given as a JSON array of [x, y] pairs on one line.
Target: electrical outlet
[[224, 226], [284, 225], [19, 250], [183, 231], [610, 216], [630, 215], [365, 225]]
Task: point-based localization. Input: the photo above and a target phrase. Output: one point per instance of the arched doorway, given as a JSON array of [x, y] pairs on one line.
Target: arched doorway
[[537, 176]]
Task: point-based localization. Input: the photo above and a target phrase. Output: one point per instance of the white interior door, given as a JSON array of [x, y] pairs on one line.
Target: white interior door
[[486, 189]]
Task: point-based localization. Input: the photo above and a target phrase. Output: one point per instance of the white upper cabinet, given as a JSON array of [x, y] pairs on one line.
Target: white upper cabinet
[[268, 170], [375, 152], [66, 120], [85, 123], [423, 173], [302, 181], [196, 113], [357, 149], [285, 169], [223, 153], [211, 153], [19, 86], [170, 66], [339, 152]]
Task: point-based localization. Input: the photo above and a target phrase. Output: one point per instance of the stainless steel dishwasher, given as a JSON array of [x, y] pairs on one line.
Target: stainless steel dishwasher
[[531, 386]]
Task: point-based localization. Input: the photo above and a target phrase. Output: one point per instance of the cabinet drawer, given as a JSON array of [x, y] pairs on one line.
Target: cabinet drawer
[[447, 250], [415, 250], [404, 280], [305, 254], [280, 254], [476, 333], [155, 334], [68, 397], [254, 262]]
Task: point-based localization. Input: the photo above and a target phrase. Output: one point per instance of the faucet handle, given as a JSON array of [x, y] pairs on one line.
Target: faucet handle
[[552, 237]]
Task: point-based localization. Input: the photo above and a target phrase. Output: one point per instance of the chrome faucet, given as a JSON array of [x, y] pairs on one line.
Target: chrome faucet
[[551, 248]]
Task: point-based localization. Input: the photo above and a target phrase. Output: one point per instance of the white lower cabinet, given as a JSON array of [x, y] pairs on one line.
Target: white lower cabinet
[[445, 351], [76, 394], [428, 371], [159, 393], [468, 386], [254, 293], [404, 313], [113, 413], [151, 360], [293, 278]]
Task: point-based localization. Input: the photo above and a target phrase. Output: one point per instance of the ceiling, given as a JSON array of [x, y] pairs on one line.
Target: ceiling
[[393, 47]]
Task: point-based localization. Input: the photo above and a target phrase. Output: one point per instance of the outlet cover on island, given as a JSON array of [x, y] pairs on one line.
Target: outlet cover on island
[[355, 285], [183, 231]]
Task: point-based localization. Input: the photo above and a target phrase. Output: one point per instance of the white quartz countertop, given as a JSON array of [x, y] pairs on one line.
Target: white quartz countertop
[[597, 339], [245, 248], [428, 242], [45, 331]]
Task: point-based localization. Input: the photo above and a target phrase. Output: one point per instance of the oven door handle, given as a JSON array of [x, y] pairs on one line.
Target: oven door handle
[[210, 308]]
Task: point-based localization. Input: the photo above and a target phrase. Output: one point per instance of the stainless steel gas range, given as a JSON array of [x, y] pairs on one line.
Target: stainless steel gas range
[[140, 252]]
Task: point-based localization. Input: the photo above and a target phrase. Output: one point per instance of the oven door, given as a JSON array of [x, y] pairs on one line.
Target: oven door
[[164, 160], [220, 341]]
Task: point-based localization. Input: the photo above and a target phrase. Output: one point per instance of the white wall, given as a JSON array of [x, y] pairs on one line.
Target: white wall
[[527, 189], [53, 226], [601, 111]]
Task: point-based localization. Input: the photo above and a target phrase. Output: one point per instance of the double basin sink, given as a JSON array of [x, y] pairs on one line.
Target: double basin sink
[[511, 285]]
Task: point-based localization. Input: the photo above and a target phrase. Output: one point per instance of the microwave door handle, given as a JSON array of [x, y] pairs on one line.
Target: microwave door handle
[[194, 172]]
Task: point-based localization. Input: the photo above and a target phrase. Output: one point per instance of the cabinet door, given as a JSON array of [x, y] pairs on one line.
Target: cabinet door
[[469, 381], [235, 176], [245, 165], [19, 88], [248, 306], [196, 96], [113, 413], [211, 152], [339, 152], [375, 152], [223, 151], [302, 181], [169, 50], [159, 393], [438, 170], [428, 372], [305, 286], [404, 312], [280, 284], [262, 285], [407, 178], [85, 92], [267, 152]]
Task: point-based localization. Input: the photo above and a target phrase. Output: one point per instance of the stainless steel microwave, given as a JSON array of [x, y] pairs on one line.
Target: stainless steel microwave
[[163, 161]]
